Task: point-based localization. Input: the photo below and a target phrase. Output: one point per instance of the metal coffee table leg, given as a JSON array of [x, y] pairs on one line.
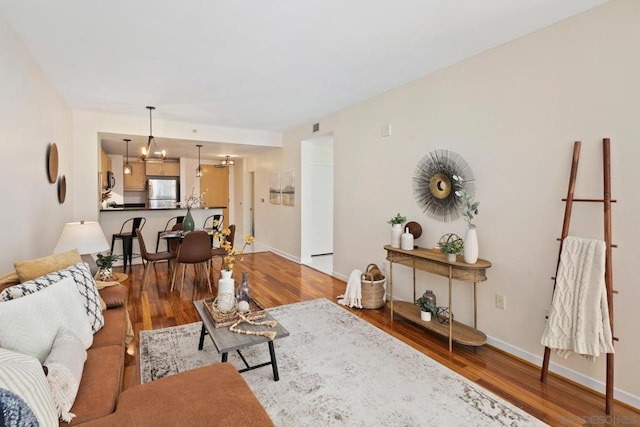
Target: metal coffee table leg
[[203, 332], [274, 364]]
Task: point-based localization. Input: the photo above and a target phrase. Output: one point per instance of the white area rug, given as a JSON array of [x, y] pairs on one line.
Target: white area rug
[[337, 369]]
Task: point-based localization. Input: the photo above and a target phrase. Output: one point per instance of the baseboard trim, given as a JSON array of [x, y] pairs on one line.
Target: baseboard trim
[[570, 374]]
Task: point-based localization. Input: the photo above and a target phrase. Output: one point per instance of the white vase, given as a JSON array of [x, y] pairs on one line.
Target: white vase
[[396, 232], [425, 315], [226, 291], [471, 246]]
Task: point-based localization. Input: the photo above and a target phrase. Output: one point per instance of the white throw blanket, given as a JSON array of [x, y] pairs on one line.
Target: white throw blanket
[[579, 316], [353, 294]]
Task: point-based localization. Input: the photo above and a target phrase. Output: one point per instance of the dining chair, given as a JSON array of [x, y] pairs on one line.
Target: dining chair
[[208, 224], [195, 249], [220, 252], [152, 259], [136, 223], [178, 220]]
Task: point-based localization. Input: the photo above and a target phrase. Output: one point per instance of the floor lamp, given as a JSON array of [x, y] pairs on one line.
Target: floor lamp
[[85, 236]]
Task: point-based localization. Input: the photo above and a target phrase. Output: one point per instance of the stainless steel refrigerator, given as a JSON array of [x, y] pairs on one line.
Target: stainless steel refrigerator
[[162, 193]]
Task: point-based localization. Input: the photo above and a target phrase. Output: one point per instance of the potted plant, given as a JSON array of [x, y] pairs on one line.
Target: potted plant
[[427, 307], [396, 229], [105, 265], [451, 245]]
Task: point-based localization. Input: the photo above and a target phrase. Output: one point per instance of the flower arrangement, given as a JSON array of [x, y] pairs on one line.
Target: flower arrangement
[[229, 260], [451, 244], [398, 219], [469, 206], [192, 201]]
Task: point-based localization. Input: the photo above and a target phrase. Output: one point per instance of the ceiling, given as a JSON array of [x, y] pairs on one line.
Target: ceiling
[[255, 64]]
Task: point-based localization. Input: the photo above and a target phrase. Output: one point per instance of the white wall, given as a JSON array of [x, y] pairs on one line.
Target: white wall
[[32, 115], [513, 113]]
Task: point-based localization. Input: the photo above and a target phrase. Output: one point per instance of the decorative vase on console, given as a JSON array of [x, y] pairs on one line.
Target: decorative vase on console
[[471, 245], [396, 229], [187, 223], [226, 287], [469, 208]]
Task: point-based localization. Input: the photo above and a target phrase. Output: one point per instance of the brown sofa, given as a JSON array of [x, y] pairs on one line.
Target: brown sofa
[[211, 395]]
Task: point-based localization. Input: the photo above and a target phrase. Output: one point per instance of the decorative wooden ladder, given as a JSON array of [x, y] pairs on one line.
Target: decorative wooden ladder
[[606, 201]]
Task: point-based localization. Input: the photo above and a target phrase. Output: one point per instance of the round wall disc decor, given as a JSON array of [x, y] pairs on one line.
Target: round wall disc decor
[[52, 162], [434, 186], [62, 189]]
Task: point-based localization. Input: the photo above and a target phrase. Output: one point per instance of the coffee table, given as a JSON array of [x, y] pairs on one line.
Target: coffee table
[[225, 341]]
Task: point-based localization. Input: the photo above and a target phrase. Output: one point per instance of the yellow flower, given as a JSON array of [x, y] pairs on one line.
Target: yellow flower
[[230, 259], [249, 240]]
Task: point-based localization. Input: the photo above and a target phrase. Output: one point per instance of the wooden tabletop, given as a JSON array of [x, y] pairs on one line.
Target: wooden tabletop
[[227, 341]]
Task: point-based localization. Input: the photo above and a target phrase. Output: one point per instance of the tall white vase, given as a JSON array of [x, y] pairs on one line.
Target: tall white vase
[[396, 232], [471, 246], [226, 290]]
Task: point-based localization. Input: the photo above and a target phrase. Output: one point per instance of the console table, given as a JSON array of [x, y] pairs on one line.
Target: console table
[[434, 261]]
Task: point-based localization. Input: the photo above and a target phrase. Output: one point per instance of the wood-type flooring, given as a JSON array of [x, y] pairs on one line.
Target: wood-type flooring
[[275, 281]]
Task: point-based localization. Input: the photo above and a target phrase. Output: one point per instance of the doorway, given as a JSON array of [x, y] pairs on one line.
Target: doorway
[[316, 234]]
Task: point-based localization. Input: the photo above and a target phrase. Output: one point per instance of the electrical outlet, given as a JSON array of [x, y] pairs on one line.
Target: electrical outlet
[[501, 302]]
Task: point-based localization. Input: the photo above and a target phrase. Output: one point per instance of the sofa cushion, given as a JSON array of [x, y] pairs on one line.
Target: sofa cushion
[[84, 281], [114, 329], [29, 324], [64, 364], [23, 375], [115, 296], [100, 384], [27, 270]]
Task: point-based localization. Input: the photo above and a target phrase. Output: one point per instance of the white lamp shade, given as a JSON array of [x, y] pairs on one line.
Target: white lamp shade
[[85, 236]]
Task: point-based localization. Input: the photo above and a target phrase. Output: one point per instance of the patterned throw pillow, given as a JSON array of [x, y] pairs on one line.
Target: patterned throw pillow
[[84, 281], [23, 375]]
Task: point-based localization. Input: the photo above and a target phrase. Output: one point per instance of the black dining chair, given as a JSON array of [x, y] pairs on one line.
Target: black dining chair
[[136, 223], [178, 220]]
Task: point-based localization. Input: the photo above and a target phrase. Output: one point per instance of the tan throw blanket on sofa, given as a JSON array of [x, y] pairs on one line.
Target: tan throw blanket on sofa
[[579, 317]]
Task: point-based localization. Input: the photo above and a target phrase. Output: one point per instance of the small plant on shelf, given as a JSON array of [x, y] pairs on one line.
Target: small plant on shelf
[[426, 304], [451, 244], [398, 219]]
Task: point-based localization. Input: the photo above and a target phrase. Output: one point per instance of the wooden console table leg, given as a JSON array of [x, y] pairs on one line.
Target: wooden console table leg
[[391, 286], [475, 307], [450, 319]]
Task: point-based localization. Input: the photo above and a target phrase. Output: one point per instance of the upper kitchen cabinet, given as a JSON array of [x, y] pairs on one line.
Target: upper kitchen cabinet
[[163, 168], [137, 180]]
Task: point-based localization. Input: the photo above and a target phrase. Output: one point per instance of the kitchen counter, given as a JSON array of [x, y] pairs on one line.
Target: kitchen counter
[[159, 209], [111, 220]]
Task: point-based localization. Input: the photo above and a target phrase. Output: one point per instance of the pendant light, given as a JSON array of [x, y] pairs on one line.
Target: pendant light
[[199, 168], [227, 162], [146, 152], [127, 167]]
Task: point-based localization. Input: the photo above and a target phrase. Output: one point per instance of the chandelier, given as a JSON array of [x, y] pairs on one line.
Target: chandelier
[[146, 152], [226, 162]]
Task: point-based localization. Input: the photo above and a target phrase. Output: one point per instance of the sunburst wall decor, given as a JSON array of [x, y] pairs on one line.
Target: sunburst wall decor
[[433, 184]]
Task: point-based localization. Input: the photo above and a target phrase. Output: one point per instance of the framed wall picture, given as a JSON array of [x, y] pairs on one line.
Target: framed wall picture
[[274, 188], [288, 188]]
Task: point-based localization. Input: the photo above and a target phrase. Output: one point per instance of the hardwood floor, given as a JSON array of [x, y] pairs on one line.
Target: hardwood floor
[[276, 281]]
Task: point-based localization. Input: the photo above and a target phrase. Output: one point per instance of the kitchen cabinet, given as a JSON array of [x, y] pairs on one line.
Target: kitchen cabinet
[[138, 179], [163, 168], [105, 165]]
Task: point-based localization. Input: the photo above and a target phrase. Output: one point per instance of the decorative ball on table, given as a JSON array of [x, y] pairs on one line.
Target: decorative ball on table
[[243, 306]]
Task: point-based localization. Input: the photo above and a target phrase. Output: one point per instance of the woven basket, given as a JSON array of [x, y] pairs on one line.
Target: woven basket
[[373, 296]]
